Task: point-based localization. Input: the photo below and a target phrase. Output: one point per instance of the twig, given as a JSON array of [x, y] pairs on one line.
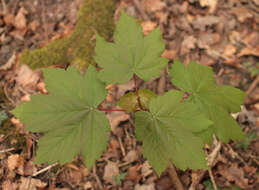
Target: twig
[[234, 154], [253, 85], [97, 178], [4, 6], [173, 174], [212, 180], [210, 161], [140, 9], [7, 150], [213, 155], [122, 147], [44, 19], [44, 169], [211, 158], [197, 180]]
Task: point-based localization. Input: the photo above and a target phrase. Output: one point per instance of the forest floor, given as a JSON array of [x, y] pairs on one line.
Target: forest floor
[[223, 34]]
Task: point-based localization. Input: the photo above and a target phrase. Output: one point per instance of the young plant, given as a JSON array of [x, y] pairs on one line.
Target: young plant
[[171, 128]]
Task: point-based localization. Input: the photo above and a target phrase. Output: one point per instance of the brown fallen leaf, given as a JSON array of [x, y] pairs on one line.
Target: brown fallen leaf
[[31, 184], [251, 40], [27, 78], [241, 13], [188, 43], [131, 156], [145, 187], [33, 26], [212, 4], [249, 51], [229, 50], [200, 23], [115, 118], [134, 173], [154, 5], [8, 185], [234, 174], [206, 40], [169, 54], [148, 26], [111, 170], [20, 21], [9, 19], [13, 161]]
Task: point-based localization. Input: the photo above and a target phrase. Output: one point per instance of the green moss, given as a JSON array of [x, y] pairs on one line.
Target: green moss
[[77, 48], [12, 137]]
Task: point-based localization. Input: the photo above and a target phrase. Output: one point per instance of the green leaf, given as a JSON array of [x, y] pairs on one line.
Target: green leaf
[[216, 102], [130, 53], [129, 101], [167, 133], [3, 116], [68, 115]]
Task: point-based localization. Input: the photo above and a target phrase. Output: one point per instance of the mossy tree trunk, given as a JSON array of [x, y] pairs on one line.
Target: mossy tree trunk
[[77, 48]]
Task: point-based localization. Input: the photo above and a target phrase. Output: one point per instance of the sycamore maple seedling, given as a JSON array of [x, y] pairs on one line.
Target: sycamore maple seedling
[[170, 128]]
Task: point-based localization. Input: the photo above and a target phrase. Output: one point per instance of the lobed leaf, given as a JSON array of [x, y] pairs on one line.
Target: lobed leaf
[[130, 53], [216, 102], [68, 115], [168, 133]]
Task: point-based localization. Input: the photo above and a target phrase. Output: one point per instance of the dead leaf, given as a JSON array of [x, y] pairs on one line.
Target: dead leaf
[[123, 88], [256, 2], [133, 173], [229, 50], [234, 174], [145, 187], [33, 26], [115, 118], [31, 184], [206, 40], [110, 171], [249, 51], [146, 169], [13, 161], [131, 156], [212, 4], [252, 40], [169, 54], [148, 26], [154, 5], [241, 13], [200, 23], [20, 19], [29, 168], [27, 78], [9, 19], [188, 43], [8, 185]]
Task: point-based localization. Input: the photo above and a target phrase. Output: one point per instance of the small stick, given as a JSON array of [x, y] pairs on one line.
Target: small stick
[[122, 147], [173, 174], [211, 158], [7, 150], [97, 178], [44, 169], [140, 9], [253, 85], [4, 6], [212, 180]]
